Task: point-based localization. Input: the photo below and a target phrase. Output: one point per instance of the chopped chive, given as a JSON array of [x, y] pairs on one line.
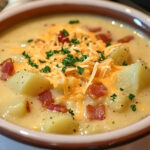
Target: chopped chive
[[108, 44], [121, 89], [75, 41], [113, 97], [102, 57], [56, 51], [133, 107], [131, 96], [26, 55], [46, 69], [63, 69], [124, 63], [65, 51], [31, 63], [80, 70], [71, 111], [30, 40], [57, 66], [69, 60], [98, 52], [42, 61], [65, 32], [49, 54], [74, 21]]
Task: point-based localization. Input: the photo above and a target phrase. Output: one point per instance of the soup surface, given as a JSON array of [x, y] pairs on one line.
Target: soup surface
[[74, 74]]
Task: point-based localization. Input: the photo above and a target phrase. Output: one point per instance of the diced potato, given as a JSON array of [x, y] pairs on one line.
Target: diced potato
[[28, 83], [134, 77], [15, 108], [119, 54], [119, 103], [62, 123]]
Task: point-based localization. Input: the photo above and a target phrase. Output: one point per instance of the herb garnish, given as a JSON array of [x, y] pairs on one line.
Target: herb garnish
[[65, 51], [57, 66], [46, 69], [98, 51], [65, 32], [71, 111], [133, 107], [121, 89], [75, 41], [108, 44], [102, 57], [42, 61], [31, 63], [131, 96], [63, 69], [113, 97], [26, 55], [69, 60], [124, 63], [74, 21], [80, 70], [30, 40], [49, 54], [56, 52]]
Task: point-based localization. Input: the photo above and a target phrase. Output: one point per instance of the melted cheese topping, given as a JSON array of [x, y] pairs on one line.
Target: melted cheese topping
[[71, 82]]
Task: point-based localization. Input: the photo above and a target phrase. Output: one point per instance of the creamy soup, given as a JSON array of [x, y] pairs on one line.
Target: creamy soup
[[74, 74]]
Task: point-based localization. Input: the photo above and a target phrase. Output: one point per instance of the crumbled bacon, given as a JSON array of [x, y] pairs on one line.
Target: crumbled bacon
[[7, 69], [104, 37], [46, 98], [28, 106], [62, 38], [48, 102], [126, 39], [96, 112], [97, 90], [58, 108], [94, 29]]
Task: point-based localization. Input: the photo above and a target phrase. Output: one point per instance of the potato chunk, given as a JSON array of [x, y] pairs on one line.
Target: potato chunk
[[62, 123], [119, 103], [134, 77], [15, 108], [28, 83], [119, 53]]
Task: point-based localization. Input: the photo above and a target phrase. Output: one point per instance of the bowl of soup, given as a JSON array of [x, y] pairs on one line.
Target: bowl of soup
[[74, 74]]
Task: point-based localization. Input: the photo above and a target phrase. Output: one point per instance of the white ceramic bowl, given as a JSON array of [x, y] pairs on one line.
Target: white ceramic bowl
[[105, 8]]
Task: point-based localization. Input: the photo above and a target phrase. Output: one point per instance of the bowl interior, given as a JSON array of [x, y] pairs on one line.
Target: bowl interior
[[103, 8]]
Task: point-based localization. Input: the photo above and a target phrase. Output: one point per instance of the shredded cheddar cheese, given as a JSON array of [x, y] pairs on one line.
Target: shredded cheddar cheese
[[71, 66]]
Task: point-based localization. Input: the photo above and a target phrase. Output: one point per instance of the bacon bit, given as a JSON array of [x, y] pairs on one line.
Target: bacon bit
[[62, 38], [126, 39], [94, 29], [104, 37], [28, 106], [7, 69], [97, 90], [96, 112], [46, 98], [58, 108]]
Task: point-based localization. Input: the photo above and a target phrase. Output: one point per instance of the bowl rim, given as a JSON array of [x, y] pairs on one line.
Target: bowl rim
[[67, 141]]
